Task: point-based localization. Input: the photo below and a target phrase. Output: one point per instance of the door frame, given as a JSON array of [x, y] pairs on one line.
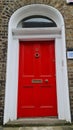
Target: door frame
[[14, 35]]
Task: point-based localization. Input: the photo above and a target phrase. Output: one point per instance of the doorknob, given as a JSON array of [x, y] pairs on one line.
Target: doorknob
[[46, 80]]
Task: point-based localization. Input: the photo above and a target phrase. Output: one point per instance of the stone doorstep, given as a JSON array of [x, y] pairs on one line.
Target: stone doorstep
[[37, 122]]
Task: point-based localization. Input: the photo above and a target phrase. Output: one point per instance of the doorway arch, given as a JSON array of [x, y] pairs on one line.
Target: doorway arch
[[14, 35]]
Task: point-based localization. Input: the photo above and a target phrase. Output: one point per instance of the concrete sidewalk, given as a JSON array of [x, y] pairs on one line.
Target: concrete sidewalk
[[39, 128]]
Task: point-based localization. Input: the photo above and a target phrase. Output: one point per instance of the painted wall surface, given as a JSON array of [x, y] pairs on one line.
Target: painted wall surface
[[7, 8]]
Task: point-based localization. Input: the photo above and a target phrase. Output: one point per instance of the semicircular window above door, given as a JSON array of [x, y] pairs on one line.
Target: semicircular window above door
[[36, 21]]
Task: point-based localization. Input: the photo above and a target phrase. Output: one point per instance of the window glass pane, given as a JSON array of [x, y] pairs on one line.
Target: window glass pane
[[70, 1], [37, 21]]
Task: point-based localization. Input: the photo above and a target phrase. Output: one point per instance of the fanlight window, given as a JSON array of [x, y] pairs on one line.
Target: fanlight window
[[36, 21], [70, 1]]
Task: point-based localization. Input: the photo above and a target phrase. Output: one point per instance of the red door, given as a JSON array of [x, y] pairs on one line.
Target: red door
[[37, 79]]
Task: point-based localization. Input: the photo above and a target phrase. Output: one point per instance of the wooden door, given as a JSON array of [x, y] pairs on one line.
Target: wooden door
[[37, 79]]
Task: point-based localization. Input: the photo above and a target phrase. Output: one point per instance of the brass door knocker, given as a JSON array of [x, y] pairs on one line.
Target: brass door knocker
[[37, 55]]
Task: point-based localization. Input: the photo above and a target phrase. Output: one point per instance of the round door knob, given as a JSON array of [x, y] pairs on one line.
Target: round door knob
[[46, 80]]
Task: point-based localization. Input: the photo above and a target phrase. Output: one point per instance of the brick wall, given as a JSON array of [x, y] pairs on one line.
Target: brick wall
[[7, 8]]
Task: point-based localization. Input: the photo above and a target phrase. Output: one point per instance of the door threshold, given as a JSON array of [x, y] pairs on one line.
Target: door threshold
[[36, 122]]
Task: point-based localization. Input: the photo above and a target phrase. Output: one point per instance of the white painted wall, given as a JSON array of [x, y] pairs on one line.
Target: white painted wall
[[10, 109]]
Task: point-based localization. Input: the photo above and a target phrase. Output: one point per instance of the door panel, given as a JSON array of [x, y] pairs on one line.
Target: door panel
[[37, 79]]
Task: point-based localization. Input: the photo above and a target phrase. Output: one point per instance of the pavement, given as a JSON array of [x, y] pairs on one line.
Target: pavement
[[70, 127]]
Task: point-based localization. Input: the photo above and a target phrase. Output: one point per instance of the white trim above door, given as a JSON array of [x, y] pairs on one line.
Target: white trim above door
[[14, 35]]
